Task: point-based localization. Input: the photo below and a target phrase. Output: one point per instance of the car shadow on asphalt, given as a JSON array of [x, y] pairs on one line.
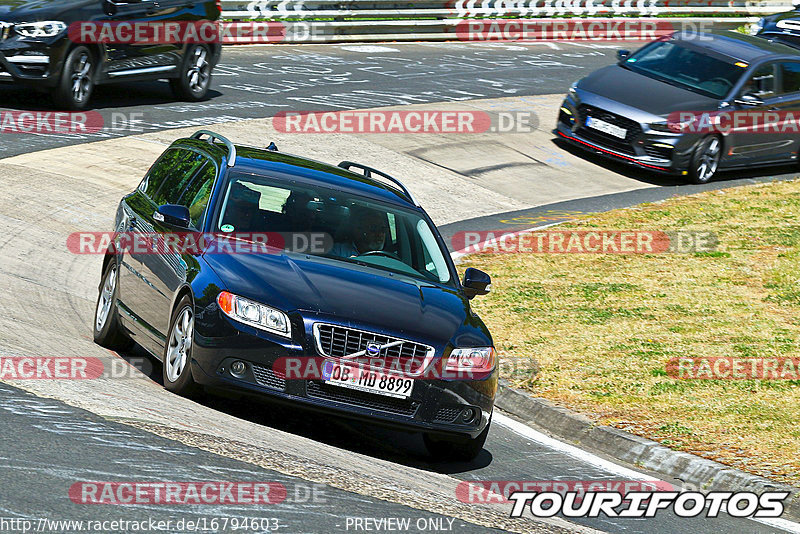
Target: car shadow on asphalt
[[104, 97], [406, 448], [665, 180]]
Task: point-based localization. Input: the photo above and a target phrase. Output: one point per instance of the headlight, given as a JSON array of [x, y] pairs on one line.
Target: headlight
[[672, 127], [756, 27], [254, 314], [475, 360], [48, 28]]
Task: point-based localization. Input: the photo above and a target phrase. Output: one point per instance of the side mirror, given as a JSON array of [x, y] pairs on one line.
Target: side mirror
[[476, 283], [173, 215], [623, 54], [109, 7], [748, 100]]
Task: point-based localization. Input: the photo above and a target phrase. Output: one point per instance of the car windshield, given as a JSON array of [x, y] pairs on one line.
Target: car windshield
[[355, 229], [684, 67]]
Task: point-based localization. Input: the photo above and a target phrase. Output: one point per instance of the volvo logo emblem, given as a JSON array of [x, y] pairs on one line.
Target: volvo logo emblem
[[373, 349]]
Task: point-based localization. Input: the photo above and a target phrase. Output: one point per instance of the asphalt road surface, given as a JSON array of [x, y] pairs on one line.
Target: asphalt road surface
[[47, 445], [261, 81]]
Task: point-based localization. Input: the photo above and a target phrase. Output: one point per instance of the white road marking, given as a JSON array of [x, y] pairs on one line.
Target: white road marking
[[368, 48], [606, 465]]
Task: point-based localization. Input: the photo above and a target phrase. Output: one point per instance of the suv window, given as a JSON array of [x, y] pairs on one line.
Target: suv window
[[199, 192], [168, 177], [790, 77], [179, 174]]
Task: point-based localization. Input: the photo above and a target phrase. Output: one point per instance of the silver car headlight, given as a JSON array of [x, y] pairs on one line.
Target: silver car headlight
[[37, 30], [254, 314]]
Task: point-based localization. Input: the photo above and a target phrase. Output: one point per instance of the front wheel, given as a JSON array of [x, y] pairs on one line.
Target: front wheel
[[77, 80], [705, 160], [195, 77], [177, 372], [456, 450]]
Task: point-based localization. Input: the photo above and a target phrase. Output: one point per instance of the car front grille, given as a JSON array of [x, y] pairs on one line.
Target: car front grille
[[320, 390], [266, 377], [338, 342], [625, 146]]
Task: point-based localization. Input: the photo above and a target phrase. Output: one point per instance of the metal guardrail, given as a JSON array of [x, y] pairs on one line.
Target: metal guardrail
[[393, 20]]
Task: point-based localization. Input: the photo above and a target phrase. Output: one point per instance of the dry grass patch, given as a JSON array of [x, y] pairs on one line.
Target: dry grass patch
[[595, 332]]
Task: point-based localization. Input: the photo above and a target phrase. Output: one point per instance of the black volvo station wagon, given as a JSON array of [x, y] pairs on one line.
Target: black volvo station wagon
[[384, 292]]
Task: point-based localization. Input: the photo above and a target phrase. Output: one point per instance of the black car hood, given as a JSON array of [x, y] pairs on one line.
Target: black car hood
[[644, 93], [350, 294], [37, 10]]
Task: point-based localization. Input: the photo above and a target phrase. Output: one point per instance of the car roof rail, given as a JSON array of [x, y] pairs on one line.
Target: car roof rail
[[369, 171], [224, 140]]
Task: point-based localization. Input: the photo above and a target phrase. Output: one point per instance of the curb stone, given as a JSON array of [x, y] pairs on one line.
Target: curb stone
[[704, 474]]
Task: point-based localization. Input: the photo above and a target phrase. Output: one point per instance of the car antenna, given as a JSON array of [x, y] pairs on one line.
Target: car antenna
[[272, 146]]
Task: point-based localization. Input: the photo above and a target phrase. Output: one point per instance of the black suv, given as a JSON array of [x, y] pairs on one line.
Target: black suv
[[36, 48], [380, 319]]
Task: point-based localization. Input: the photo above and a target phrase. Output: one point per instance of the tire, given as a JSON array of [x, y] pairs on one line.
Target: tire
[[177, 368], [456, 450], [195, 75], [75, 88], [705, 160], [108, 332]]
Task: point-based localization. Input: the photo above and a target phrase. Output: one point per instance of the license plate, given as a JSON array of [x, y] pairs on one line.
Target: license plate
[[606, 127], [367, 380]]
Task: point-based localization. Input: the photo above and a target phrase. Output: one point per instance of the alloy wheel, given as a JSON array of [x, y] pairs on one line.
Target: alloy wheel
[[198, 74], [709, 161], [106, 299], [81, 77], [180, 344]]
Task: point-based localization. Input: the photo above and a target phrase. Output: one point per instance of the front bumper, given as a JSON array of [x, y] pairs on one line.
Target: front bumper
[[435, 406], [31, 63], [642, 147]]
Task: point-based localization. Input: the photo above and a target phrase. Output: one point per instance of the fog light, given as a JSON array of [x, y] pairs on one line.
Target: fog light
[[469, 415], [238, 368]]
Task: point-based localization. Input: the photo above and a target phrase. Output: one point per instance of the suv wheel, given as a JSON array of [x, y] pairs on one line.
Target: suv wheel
[[77, 80], [177, 370], [107, 330], [456, 450], [705, 160], [195, 77]]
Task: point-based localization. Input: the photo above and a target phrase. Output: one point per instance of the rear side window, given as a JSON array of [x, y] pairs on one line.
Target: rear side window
[[199, 192], [762, 83], [168, 178], [790, 77]]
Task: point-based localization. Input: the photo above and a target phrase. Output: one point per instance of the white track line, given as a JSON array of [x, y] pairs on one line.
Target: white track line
[[606, 465]]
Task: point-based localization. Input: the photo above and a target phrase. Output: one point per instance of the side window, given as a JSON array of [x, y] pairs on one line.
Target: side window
[[790, 77], [762, 83], [178, 171], [199, 192]]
